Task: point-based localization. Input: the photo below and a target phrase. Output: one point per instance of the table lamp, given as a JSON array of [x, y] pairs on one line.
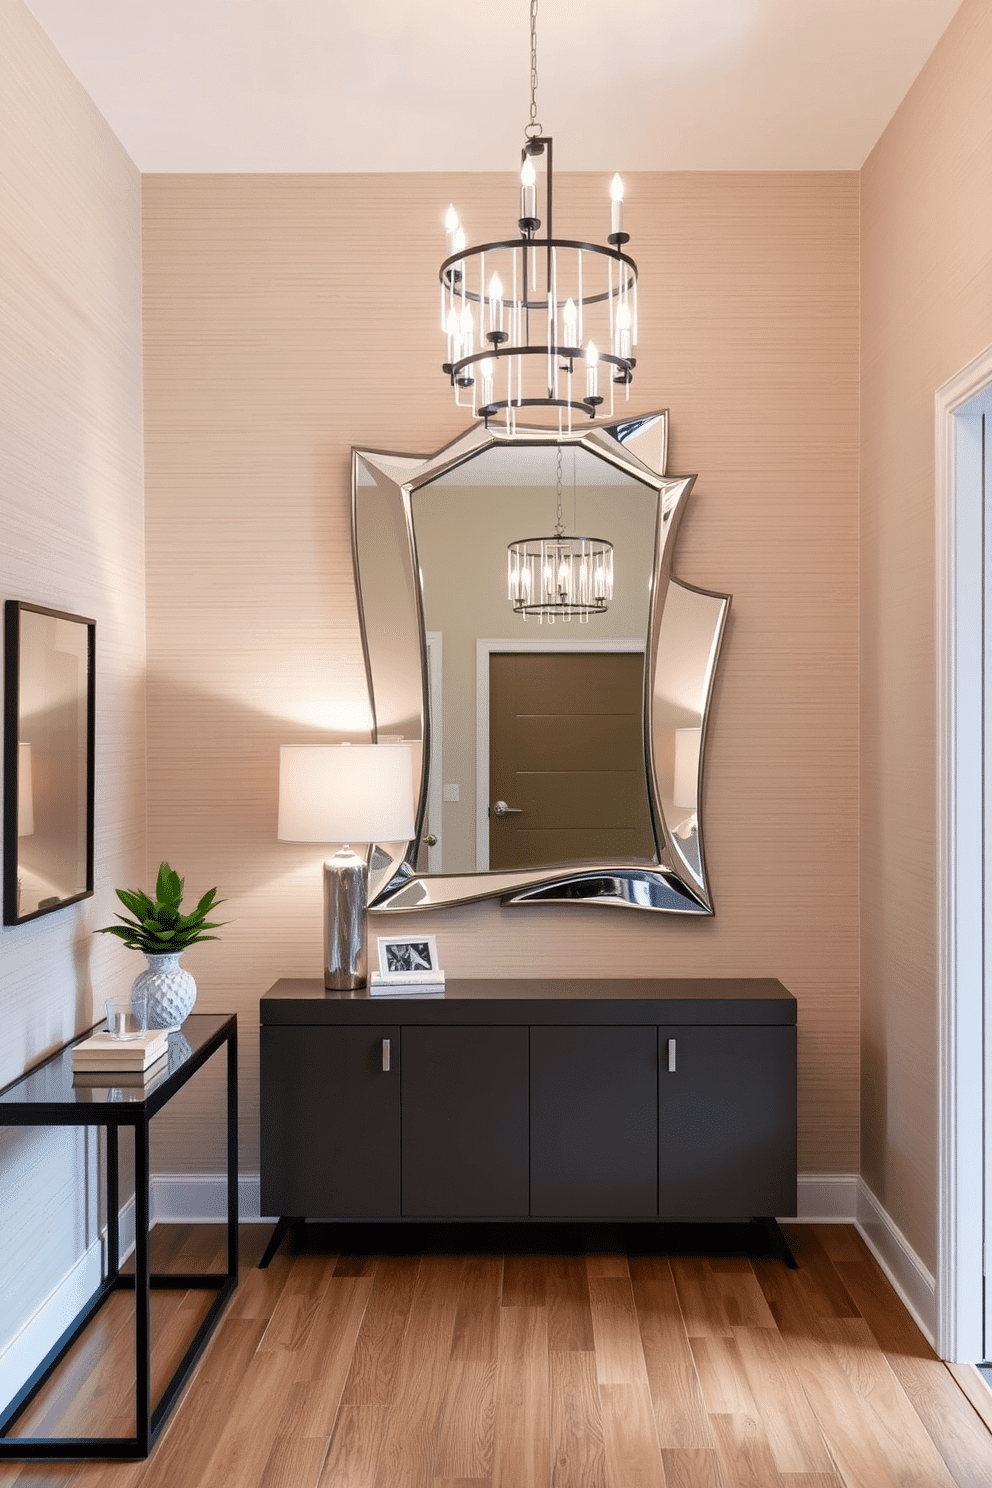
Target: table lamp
[[345, 793]]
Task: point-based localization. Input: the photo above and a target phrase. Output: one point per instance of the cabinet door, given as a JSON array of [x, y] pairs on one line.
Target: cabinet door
[[727, 1122], [594, 1122], [330, 1117], [464, 1120]]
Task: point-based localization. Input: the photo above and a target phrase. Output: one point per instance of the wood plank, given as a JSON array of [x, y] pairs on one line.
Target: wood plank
[[569, 1312], [896, 1427], [701, 1305], [320, 1369], [722, 1377], [680, 1412], [633, 1457], [376, 1356], [961, 1437], [524, 1281], [409, 1450], [813, 1259], [794, 1437], [466, 1420], [296, 1306], [691, 1467], [742, 1299], [745, 1457], [294, 1462], [521, 1456], [607, 1265], [477, 1315], [576, 1425], [841, 1242], [619, 1354], [353, 1456]]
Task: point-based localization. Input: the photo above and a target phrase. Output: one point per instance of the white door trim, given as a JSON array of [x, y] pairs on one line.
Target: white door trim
[[484, 647], [959, 586]]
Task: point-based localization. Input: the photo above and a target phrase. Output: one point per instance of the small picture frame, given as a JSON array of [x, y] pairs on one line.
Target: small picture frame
[[414, 954]]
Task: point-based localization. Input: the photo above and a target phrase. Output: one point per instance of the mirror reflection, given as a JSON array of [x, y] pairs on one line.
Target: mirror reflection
[[537, 723], [48, 761]]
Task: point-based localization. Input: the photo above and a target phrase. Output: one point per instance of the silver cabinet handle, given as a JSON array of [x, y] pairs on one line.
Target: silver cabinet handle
[[671, 1056], [431, 840], [385, 1056], [500, 808]]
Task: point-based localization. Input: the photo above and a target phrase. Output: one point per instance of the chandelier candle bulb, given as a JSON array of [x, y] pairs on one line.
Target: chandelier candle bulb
[[616, 205], [592, 371], [467, 329], [569, 320], [496, 305], [486, 393], [623, 331], [451, 229], [528, 179]]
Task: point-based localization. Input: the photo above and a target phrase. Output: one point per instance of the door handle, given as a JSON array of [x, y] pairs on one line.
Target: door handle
[[500, 808], [385, 1056], [671, 1056]]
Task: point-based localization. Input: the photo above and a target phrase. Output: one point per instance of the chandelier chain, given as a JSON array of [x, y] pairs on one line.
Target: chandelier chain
[[559, 521], [533, 130]]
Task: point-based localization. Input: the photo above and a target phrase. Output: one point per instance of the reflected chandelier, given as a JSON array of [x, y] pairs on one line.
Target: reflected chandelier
[[540, 323], [560, 577]]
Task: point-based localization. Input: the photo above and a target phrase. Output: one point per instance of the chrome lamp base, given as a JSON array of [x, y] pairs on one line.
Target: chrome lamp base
[[346, 898]]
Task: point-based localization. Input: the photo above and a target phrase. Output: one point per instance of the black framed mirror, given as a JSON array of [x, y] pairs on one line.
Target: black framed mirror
[[48, 760]]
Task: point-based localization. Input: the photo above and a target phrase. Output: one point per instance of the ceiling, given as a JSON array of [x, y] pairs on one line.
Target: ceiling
[[431, 85]]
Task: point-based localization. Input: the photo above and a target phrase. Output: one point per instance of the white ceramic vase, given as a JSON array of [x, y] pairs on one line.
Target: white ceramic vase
[[171, 991]]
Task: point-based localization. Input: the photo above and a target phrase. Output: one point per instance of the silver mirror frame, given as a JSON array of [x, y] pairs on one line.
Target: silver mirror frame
[[391, 614]]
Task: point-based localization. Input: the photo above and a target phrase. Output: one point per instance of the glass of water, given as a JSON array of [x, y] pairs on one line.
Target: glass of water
[[127, 1017]]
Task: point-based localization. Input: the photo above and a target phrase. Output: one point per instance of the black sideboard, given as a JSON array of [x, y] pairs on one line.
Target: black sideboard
[[572, 1099]]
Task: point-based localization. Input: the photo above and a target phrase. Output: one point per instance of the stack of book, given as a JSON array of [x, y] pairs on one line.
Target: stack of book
[[103, 1060], [406, 984]]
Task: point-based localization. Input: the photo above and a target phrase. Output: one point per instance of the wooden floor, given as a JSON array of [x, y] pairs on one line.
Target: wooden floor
[[457, 1367]]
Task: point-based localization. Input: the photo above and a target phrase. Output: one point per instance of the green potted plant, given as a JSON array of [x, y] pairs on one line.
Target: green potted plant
[[160, 929]]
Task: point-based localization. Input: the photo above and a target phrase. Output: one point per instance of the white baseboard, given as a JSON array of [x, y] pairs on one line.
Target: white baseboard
[[21, 1356], [827, 1198], [201, 1198], [915, 1284]]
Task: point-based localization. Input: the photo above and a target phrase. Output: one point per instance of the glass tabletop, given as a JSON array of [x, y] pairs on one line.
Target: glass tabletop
[[53, 1084]]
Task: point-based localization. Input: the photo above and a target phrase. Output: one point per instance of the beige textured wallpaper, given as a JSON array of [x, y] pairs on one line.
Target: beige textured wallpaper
[[926, 312], [288, 318], [71, 538]]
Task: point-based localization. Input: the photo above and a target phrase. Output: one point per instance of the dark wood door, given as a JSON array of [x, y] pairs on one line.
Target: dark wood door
[[594, 1122], [330, 1120], [566, 747], [465, 1122], [727, 1122]]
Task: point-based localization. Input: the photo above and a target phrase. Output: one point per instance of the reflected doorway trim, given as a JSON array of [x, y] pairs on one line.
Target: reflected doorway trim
[[485, 646], [960, 558], [435, 793]]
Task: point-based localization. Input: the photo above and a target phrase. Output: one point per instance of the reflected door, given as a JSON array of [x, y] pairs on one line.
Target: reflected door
[[566, 759]]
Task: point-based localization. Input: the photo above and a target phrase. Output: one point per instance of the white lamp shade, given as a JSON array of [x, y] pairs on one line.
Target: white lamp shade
[[345, 793], [25, 791], [686, 766]]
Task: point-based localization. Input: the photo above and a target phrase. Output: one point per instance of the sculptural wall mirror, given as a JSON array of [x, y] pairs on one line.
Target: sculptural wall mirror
[[48, 760], [557, 761]]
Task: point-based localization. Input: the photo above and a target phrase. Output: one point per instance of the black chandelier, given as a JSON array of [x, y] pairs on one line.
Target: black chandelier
[[557, 318]]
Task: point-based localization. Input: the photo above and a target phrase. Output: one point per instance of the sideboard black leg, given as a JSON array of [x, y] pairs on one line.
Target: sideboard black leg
[[779, 1246], [283, 1224]]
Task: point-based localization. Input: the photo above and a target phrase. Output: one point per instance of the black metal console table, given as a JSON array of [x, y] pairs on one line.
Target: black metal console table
[[46, 1096]]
